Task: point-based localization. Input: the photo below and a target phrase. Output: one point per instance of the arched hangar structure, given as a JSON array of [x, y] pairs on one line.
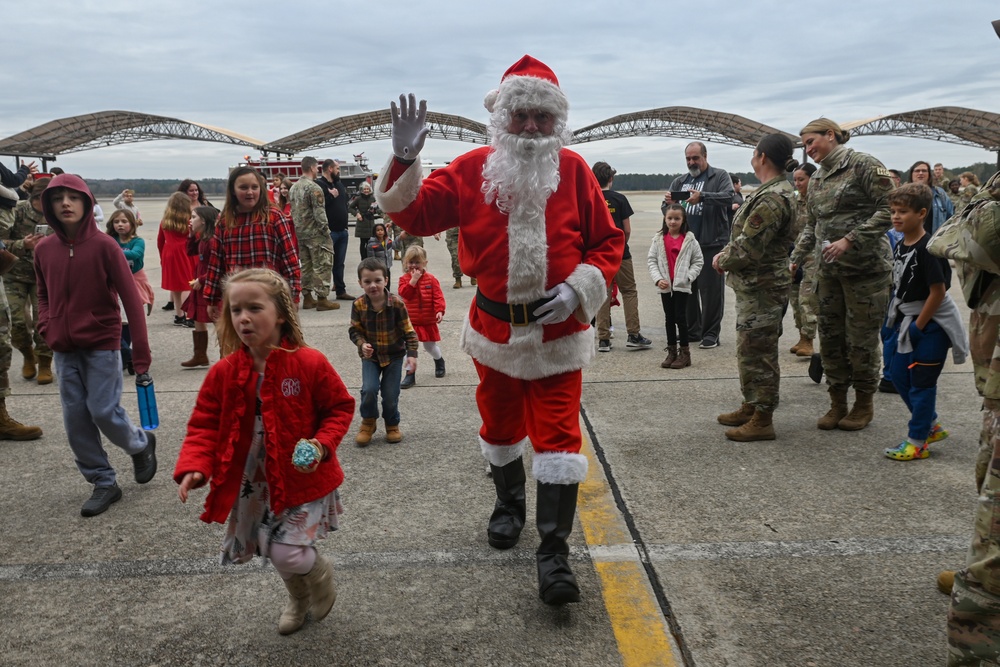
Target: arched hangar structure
[[112, 128]]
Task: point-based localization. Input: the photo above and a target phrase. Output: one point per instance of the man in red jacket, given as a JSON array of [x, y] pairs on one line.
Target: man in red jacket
[[536, 234]]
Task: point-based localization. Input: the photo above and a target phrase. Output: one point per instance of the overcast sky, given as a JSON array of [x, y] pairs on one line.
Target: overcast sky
[[271, 69]]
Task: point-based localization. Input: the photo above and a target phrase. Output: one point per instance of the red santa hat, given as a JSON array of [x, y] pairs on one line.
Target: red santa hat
[[529, 84]]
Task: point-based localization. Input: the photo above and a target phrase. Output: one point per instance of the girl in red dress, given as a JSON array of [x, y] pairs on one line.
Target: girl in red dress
[[200, 243], [421, 292], [177, 269]]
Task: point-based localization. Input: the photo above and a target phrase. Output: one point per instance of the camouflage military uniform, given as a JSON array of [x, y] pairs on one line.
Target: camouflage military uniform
[[803, 297], [451, 238], [974, 615], [848, 199], [313, 232], [756, 259], [6, 352], [20, 280]]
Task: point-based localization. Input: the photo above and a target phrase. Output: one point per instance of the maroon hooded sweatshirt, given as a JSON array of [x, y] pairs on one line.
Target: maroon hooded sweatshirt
[[79, 283]]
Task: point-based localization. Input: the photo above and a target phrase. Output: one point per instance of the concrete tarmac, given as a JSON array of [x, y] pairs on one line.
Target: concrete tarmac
[[811, 550]]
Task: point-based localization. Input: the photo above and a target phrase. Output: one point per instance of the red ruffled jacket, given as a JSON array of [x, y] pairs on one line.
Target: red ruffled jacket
[[301, 397]]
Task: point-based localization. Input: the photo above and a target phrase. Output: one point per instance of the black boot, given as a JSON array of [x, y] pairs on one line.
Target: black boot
[[507, 519], [556, 508], [439, 368]]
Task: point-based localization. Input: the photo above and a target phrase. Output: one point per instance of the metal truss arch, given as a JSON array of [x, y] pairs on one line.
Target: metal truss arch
[[373, 126], [956, 125], [112, 128], [681, 122]]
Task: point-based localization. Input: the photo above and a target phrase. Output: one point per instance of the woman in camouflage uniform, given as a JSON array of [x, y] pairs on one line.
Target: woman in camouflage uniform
[[756, 259], [848, 215], [803, 292]]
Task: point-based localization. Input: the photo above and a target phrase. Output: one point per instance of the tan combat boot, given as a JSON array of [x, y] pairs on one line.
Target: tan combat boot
[[393, 434], [308, 302], [671, 357], [11, 429], [28, 370], [323, 303], [458, 284], [365, 433], [837, 411], [861, 414], [805, 348], [738, 417], [473, 282], [44, 370], [758, 428], [683, 359], [294, 613]]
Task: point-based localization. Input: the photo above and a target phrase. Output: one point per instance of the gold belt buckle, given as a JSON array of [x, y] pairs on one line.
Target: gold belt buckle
[[512, 307]]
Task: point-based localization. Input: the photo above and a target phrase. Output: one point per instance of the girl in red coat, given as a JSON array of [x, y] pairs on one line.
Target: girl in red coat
[[421, 292], [171, 242], [201, 241], [264, 431]]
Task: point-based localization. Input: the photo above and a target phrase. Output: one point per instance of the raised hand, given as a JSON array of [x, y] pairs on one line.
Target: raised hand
[[409, 129]]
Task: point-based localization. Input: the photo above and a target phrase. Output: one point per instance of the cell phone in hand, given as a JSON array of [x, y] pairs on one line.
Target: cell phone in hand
[[680, 195], [42, 229]]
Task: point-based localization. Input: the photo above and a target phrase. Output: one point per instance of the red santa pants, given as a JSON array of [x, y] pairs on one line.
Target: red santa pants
[[546, 410]]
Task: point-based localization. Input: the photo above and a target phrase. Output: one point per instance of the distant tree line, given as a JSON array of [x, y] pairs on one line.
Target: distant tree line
[[152, 187]]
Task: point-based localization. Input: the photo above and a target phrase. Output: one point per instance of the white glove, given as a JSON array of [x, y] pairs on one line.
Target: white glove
[[562, 304], [408, 127]]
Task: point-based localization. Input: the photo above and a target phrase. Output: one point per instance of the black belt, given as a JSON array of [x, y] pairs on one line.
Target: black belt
[[518, 314]]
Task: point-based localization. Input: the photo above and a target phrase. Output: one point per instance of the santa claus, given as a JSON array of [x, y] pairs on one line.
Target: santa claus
[[536, 233]]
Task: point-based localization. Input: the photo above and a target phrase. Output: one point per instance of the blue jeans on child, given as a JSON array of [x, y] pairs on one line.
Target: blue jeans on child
[[915, 376], [90, 389], [375, 378]]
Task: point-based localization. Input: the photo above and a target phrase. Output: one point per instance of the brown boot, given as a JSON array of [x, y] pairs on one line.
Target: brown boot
[[44, 370], [758, 428], [323, 303], [837, 411], [671, 357], [11, 429], [365, 432], [200, 357], [458, 284], [294, 613], [738, 417], [308, 302], [805, 348], [861, 414], [473, 282], [28, 370], [683, 359], [945, 580], [393, 434]]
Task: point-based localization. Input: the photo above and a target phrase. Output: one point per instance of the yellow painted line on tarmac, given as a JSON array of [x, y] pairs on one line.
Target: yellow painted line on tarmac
[[640, 629]]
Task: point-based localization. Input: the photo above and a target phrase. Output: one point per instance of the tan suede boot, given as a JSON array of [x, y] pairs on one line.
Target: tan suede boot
[[758, 428], [671, 357], [365, 433], [861, 414], [44, 370], [323, 303], [294, 613], [805, 348], [393, 434], [738, 417], [837, 411], [683, 359], [308, 302], [28, 370], [322, 592], [200, 357], [11, 429]]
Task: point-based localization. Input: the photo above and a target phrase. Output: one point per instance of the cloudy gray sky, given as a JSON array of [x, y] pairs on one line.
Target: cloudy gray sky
[[270, 69]]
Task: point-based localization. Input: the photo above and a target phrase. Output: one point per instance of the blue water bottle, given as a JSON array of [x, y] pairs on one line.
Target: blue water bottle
[[148, 414]]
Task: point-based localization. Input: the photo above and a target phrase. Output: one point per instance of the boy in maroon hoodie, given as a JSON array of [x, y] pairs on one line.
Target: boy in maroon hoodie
[[81, 275]]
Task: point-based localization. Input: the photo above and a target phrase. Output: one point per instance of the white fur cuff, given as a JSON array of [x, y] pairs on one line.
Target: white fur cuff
[[403, 191], [589, 284], [559, 468], [501, 455]]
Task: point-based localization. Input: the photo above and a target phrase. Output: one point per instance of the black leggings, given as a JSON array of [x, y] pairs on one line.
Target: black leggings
[[675, 314]]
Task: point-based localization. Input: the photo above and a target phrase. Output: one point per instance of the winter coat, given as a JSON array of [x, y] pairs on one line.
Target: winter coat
[[689, 263], [301, 397], [424, 301]]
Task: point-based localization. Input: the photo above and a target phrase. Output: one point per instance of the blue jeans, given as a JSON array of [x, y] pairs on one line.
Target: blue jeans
[[375, 378], [90, 389], [340, 240], [915, 376]]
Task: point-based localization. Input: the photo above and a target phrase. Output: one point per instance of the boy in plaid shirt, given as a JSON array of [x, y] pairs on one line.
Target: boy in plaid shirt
[[380, 327]]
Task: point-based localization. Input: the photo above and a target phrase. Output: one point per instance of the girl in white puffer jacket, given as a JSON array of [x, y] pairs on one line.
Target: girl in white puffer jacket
[[674, 261]]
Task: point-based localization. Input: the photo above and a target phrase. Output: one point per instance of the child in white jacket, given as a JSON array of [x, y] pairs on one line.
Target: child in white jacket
[[674, 261]]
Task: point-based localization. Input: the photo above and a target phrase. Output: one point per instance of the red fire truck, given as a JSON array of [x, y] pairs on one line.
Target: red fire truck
[[352, 174]]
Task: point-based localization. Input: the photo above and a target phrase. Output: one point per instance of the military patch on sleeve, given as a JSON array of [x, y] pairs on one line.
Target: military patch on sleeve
[[755, 221], [882, 171]]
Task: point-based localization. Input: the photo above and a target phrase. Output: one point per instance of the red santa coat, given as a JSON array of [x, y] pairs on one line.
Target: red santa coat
[[516, 260]]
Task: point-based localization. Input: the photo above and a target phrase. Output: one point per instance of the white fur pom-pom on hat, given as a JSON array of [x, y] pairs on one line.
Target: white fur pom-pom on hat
[[528, 84]]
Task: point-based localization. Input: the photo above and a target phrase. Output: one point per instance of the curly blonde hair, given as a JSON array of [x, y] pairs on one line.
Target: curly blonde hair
[[278, 290]]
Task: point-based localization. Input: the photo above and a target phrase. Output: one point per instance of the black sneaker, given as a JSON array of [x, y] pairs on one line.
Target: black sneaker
[[816, 368], [179, 320], [100, 500], [638, 341], [886, 386], [604, 346], [408, 381], [169, 306], [189, 323], [708, 344], [144, 463]]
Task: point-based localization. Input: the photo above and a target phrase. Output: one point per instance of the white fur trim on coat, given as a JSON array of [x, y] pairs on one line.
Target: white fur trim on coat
[[501, 455], [589, 284], [559, 468], [526, 357], [403, 192]]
